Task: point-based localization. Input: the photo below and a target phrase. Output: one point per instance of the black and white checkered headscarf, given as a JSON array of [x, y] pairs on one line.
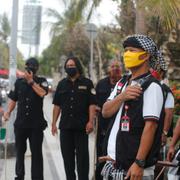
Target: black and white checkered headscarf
[[146, 43]]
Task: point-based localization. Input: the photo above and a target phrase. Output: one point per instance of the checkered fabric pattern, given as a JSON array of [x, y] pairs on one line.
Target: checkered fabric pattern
[[109, 171], [156, 61]]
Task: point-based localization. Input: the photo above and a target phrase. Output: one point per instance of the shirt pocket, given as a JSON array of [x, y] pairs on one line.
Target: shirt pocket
[[82, 93], [63, 96]]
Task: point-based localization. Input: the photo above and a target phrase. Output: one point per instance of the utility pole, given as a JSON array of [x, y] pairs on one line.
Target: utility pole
[[91, 31], [12, 68]]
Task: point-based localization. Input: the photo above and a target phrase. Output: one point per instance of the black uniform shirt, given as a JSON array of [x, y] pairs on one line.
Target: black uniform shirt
[[103, 90], [30, 105], [74, 99]]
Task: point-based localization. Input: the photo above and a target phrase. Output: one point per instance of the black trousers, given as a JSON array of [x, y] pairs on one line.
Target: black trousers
[[75, 144], [35, 137]]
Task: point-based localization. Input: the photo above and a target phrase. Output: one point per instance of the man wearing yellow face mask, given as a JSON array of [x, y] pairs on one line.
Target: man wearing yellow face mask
[[134, 138]]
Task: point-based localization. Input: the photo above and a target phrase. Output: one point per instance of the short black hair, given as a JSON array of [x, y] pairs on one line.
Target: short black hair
[[77, 63]]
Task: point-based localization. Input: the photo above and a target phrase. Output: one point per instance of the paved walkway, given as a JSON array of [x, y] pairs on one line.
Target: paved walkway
[[53, 163]]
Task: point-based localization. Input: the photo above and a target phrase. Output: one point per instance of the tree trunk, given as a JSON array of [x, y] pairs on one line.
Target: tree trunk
[[140, 26]]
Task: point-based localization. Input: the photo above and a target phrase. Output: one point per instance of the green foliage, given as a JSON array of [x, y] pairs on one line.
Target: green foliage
[[4, 27], [4, 55], [68, 38], [175, 86], [126, 18], [168, 11]]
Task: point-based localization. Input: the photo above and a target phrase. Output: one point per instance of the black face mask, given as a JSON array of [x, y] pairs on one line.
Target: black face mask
[[71, 71]]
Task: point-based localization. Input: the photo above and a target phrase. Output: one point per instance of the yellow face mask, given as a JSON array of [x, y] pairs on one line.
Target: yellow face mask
[[131, 59]]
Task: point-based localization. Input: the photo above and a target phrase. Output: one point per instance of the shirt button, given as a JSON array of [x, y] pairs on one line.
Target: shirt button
[[71, 115], [71, 107], [27, 114], [27, 99], [72, 91], [27, 107], [72, 98]]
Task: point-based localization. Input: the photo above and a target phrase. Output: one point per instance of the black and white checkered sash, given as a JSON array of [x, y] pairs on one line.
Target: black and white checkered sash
[[110, 171]]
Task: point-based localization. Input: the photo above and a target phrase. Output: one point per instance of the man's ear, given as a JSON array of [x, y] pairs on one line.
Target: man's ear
[[145, 56]]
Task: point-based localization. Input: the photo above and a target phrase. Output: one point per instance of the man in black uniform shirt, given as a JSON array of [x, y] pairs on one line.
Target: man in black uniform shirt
[[75, 100], [103, 89], [28, 92]]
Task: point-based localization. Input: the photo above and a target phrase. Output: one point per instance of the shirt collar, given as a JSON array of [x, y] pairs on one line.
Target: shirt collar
[[78, 79], [142, 76]]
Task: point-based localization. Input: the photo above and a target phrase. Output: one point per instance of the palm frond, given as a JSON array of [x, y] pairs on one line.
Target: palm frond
[[53, 13], [167, 10]]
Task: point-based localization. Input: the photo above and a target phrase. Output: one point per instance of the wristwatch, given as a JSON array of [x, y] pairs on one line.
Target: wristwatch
[[165, 132], [140, 162]]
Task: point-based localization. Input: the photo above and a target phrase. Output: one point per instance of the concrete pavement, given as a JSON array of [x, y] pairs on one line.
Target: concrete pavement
[[53, 162]]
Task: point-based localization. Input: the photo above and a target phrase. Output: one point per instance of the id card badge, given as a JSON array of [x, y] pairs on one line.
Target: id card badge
[[125, 123]]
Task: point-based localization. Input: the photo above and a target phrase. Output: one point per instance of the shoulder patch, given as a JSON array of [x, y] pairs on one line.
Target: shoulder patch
[[93, 91]]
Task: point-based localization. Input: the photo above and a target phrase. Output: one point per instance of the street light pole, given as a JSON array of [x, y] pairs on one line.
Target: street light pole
[[13, 44], [13, 63], [91, 31]]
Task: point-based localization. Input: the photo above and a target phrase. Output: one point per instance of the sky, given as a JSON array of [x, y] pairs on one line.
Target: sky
[[103, 15]]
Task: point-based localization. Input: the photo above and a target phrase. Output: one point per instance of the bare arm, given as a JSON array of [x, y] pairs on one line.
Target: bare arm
[[167, 123], [56, 113], [112, 106], [147, 139], [92, 115], [176, 136], [11, 106], [168, 118], [36, 87], [146, 142], [92, 112], [39, 90]]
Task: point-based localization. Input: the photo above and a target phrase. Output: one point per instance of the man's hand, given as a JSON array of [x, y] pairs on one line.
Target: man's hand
[[131, 92], [170, 153], [54, 129], [6, 116], [135, 172], [28, 76], [1, 110], [89, 127], [105, 158]]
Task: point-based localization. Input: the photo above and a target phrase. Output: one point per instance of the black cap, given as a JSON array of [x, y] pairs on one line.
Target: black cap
[[33, 62], [132, 42]]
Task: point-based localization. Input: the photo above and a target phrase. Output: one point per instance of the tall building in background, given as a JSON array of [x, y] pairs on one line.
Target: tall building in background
[[31, 25]]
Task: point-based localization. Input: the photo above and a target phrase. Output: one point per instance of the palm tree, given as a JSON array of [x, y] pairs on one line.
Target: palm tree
[[167, 11], [74, 12], [140, 26]]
